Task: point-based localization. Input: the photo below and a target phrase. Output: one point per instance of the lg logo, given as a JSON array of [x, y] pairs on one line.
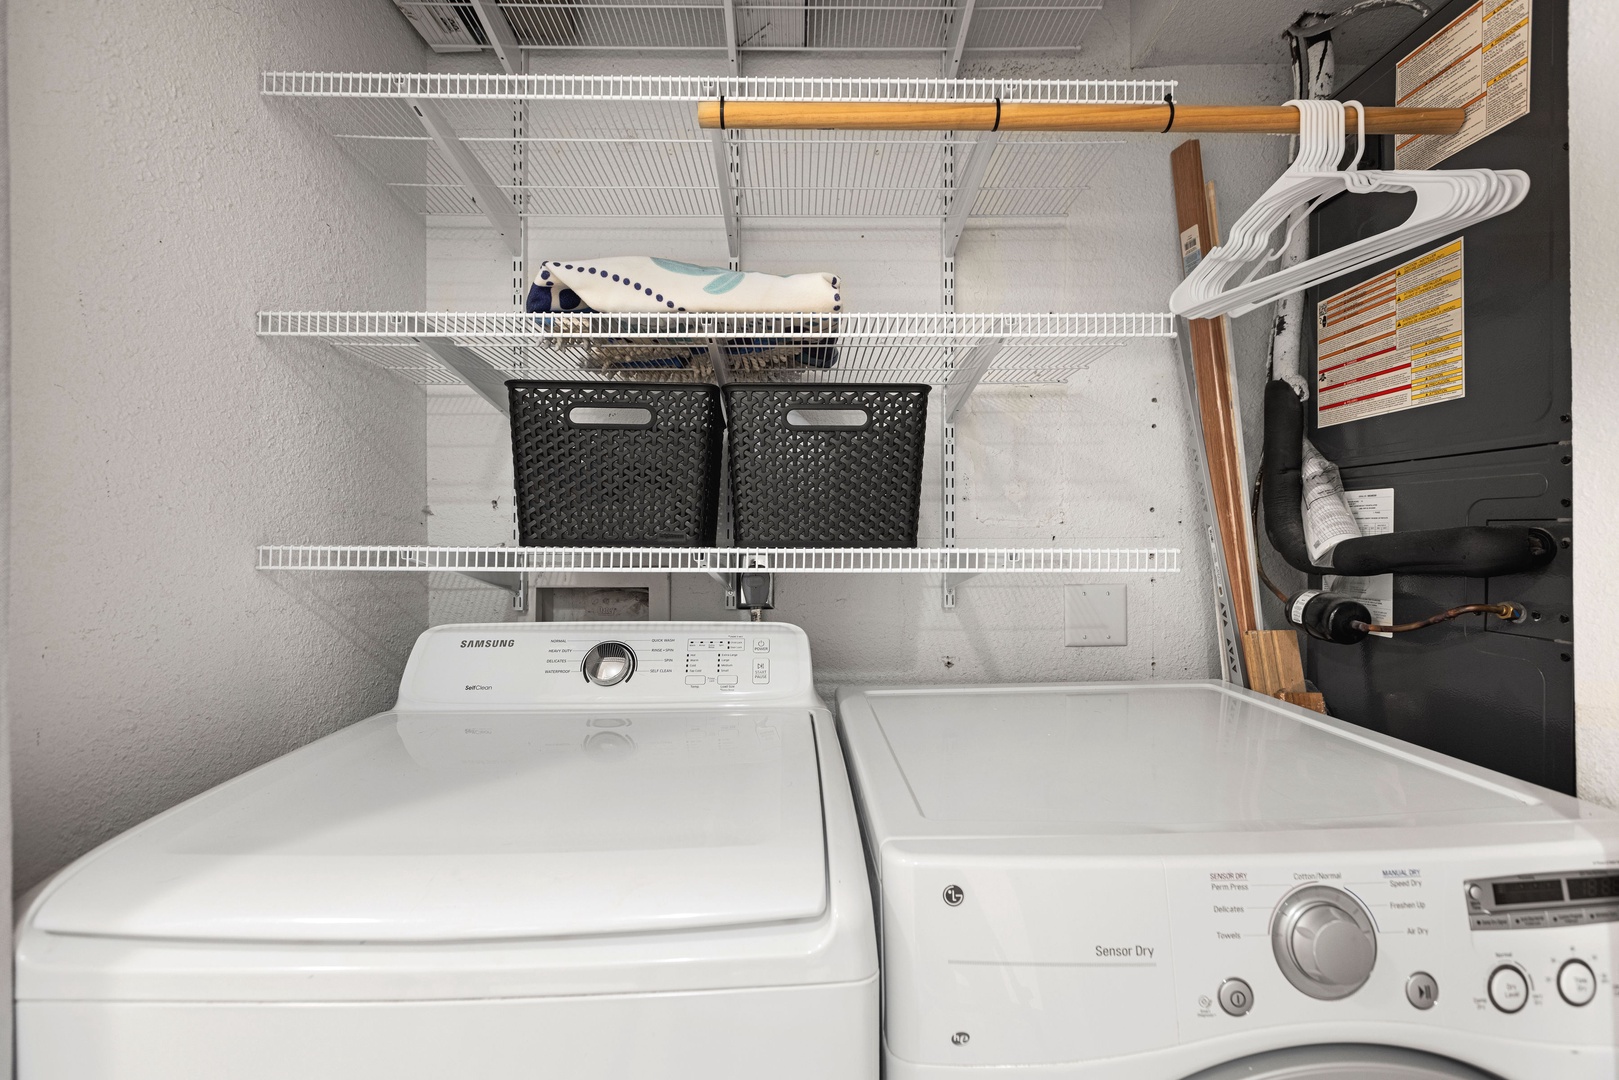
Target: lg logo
[[953, 895]]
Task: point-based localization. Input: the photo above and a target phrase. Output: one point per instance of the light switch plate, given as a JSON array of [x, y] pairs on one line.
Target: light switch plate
[[1094, 615]]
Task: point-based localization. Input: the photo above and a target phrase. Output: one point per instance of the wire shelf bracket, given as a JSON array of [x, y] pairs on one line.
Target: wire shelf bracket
[[967, 184], [488, 383], [475, 181], [960, 19], [965, 378], [499, 32]]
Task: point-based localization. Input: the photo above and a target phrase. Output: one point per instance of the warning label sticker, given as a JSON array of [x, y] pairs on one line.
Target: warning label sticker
[[1480, 62], [1392, 342]]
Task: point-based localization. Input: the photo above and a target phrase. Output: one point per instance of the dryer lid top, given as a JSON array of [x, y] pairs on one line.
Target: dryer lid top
[[1160, 758], [466, 826]]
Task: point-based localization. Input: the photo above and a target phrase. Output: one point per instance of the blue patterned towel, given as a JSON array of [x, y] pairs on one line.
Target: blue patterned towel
[[637, 283]]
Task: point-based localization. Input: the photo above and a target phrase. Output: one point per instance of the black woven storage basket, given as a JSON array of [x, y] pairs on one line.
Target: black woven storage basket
[[639, 468], [817, 482]]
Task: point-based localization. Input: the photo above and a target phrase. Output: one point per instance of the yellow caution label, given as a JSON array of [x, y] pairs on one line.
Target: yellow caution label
[[1453, 305]]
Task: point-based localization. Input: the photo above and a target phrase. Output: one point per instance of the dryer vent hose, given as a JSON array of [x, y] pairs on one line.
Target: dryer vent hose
[[1469, 551]]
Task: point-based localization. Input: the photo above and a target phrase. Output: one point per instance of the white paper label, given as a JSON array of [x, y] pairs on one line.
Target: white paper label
[[1327, 520], [1191, 250], [1295, 614], [1393, 342], [1373, 509], [1480, 62]]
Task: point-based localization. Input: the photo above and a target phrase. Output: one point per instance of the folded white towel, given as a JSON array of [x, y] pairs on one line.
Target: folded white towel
[[641, 284]]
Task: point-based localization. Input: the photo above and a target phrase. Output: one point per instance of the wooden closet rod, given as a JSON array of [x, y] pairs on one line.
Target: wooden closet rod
[[1046, 116]]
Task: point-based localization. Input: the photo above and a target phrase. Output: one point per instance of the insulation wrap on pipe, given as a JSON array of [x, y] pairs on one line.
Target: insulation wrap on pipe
[[1467, 551]]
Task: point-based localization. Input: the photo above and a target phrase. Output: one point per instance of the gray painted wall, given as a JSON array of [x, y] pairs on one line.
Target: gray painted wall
[[158, 202]]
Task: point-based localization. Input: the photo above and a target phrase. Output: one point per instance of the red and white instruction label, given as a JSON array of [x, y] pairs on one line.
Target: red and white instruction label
[[1480, 62], [1393, 342]]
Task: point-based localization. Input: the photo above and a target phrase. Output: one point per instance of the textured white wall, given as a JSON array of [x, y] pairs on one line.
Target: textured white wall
[[1106, 459], [1593, 166], [5, 559], [158, 202]]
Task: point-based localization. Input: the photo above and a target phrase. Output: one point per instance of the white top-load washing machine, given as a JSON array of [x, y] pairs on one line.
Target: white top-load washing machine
[[1148, 881], [571, 850]]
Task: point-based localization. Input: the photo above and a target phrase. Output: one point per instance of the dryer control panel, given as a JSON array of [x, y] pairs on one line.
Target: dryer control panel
[[540, 665]]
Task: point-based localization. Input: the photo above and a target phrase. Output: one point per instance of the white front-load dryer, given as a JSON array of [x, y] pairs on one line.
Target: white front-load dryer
[[572, 850], [1168, 881]]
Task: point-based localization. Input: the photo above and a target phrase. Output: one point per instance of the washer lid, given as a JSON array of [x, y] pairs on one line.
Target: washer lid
[[434, 827]]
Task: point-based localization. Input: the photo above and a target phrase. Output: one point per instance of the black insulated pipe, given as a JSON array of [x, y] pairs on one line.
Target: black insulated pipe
[[1468, 551]]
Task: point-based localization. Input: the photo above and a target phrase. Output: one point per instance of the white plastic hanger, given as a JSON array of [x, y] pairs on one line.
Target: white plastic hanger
[[1225, 282]]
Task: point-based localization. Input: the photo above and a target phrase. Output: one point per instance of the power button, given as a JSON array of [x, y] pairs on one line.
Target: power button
[[1236, 997]]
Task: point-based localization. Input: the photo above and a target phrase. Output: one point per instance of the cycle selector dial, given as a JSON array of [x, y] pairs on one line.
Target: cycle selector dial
[[1324, 941], [609, 663]]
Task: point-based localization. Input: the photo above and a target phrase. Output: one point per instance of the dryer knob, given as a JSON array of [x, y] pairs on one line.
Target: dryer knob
[[1324, 941], [609, 663]]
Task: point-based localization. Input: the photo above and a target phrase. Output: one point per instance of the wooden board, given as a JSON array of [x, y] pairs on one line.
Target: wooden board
[[1271, 657]]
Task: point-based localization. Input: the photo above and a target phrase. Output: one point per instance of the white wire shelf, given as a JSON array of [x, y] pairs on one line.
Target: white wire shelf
[[1098, 560], [934, 348], [776, 25], [583, 146]]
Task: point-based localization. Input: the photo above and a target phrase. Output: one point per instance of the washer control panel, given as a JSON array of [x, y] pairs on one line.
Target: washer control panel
[[507, 665]]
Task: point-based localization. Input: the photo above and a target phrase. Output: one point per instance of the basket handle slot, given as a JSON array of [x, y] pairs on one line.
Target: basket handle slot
[[825, 419], [610, 416]]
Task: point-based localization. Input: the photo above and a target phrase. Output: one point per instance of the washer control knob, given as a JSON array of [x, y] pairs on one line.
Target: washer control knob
[[1236, 997], [1509, 988], [1422, 990], [1324, 941], [1576, 983], [609, 663], [1475, 893]]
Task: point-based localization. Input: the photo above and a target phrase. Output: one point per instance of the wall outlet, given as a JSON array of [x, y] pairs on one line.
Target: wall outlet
[[1094, 615]]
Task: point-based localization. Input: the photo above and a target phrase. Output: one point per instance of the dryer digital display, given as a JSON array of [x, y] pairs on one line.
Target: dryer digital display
[[1529, 901], [1594, 888], [1508, 893]]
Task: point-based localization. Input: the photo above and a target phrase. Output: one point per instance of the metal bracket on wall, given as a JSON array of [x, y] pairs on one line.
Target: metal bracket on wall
[[516, 584], [716, 356], [960, 21], [492, 203], [968, 374], [728, 8], [499, 33], [965, 190], [727, 176], [474, 371]]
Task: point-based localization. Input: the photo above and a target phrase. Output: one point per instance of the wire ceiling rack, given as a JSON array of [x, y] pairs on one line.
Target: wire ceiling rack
[[917, 26], [584, 146], [938, 348]]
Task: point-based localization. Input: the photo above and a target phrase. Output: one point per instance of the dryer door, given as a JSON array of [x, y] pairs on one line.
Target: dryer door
[[1345, 1061]]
